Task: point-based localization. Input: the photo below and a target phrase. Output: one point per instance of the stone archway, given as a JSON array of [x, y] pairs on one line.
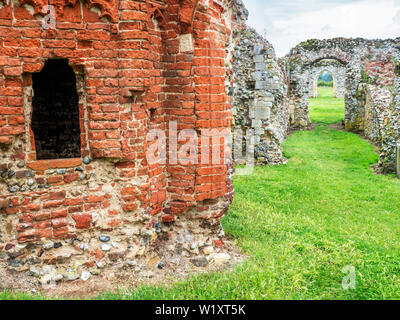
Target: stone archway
[[338, 72], [370, 76], [305, 61]]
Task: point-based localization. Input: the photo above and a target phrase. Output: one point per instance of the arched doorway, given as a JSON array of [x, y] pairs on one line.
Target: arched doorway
[[325, 82], [325, 107]]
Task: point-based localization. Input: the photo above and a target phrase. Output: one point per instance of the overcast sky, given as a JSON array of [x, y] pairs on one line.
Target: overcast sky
[[289, 22]]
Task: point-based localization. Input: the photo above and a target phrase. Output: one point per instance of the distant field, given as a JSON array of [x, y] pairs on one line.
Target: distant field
[[322, 83]]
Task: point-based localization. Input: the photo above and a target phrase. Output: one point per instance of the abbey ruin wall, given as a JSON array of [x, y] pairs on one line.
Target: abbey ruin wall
[[260, 95], [83, 103], [369, 87]]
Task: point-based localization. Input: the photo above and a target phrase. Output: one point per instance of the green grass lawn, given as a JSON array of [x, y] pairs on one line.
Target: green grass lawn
[[301, 223], [325, 109]]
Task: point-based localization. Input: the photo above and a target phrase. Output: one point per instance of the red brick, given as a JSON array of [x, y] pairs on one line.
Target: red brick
[[168, 218], [71, 177], [61, 213], [61, 222], [82, 221], [44, 233], [40, 165], [41, 216], [65, 163], [218, 243], [54, 179], [73, 202], [91, 199], [59, 195], [52, 204], [60, 232]]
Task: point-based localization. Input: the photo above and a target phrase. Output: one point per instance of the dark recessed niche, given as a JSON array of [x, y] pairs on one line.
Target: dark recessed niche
[[55, 112]]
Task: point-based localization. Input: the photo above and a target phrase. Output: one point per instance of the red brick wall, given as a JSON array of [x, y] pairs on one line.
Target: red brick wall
[[381, 71], [134, 78]]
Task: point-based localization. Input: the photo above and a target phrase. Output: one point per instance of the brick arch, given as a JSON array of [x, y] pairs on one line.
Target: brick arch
[[320, 72], [108, 8], [158, 13], [312, 51], [314, 92], [187, 9]]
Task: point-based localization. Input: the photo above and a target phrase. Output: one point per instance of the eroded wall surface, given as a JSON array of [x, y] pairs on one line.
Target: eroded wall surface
[[391, 129], [260, 95], [363, 71]]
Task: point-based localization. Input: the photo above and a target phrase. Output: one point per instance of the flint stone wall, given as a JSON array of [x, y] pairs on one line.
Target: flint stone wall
[[370, 87], [260, 95], [391, 129]]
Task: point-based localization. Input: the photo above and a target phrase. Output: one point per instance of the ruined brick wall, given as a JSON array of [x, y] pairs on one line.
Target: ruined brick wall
[[372, 66], [390, 121], [139, 66], [260, 95]]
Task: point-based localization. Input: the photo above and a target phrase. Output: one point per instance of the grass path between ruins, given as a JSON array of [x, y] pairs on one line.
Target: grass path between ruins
[[301, 223]]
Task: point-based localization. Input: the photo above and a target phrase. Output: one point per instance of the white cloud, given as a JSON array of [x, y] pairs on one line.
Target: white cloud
[[326, 28], [396, 18], [310, 19]]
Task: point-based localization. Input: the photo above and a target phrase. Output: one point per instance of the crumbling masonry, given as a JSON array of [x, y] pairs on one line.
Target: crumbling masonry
[[272, 95], [371, 87], [260, 94], [76, 104]]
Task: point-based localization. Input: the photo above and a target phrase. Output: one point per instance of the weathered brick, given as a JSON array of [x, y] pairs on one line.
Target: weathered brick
[[133, 75], [82, 221]]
